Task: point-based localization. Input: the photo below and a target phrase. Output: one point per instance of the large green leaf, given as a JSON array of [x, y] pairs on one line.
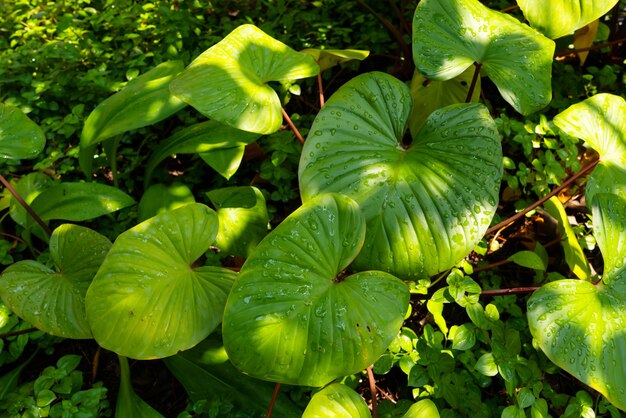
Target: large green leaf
[[422, 409], [427, 204], [207, 374], [79, 201], [581, 326], [147, 286], [161, 198], [338, 401], [202, 138], [451, 35], [228, 82], [53, 300], [243, 219], [145, 100], [20, 137], [295, 317], [556, 18], [129, 404]]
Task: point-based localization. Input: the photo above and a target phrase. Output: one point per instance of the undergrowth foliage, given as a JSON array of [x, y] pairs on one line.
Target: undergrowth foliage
[[205, 203]]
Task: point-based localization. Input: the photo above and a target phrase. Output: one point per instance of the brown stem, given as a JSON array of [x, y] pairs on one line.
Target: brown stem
[[509, 8], [273, 402], [95, 365], [509, 291], [370, 376], [26, 206], [14, 333], [292, 126], [566, 52], [543, 199], [320, 86], [470, 92], [492, 265]]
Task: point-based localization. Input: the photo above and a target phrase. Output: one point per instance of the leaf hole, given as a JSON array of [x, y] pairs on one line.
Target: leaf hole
[[464, 83], [407, 139]]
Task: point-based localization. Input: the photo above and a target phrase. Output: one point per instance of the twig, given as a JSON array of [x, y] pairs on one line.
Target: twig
[[25, 205], [492, 265], [292, 126], [566, 52], [95, 365], [274, 396], [543, 199], [470, 92], [320, 86], [509, 291], [14, 333], [370, 376]]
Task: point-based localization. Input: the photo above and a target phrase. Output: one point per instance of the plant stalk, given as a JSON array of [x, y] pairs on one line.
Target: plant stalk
[[470, 92], [372, 381], [543, 199], [20, 332], [320, 86], [292, 126], [510, 291], [25, 205], [273, 402]]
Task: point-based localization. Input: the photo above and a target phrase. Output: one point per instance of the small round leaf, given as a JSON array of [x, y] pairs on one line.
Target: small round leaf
[[338, 401]]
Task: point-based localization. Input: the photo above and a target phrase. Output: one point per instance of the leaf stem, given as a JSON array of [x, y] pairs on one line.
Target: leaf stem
[[470, 92], [509, 291], [20, 332], [320, 87], [273, 402], [372, 381], [292, 126], [25, 205], [543, 199]]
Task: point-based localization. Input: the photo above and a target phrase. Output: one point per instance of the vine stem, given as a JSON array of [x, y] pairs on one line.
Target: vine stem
[[25, 205], [292, 126], [372, 381], [539, 202], [509, 291], [20, 332], [320, 87], [566, 52], [273, 402], [470, 92]]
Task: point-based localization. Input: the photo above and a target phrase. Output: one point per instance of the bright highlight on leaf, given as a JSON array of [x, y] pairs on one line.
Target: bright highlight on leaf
[[556, 18], [449, 36], [426, 204], [228, 82], [53, 299], [328, 58], [20, 137], [147, 286], [337, 400], [295, 316]]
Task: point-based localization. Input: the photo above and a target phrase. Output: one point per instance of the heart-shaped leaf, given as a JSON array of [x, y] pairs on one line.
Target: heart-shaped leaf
[[294, 317], [53, 300], [202, 138], [581, 326], [339, 401], [20, 137], [243, 219], [562, 17], [427, 204], [145, 100], [430, 95], [147, 286], [451, 35], [228, 82]]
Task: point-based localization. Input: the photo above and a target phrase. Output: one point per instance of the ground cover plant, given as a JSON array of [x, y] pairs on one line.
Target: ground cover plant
[[285, 220]]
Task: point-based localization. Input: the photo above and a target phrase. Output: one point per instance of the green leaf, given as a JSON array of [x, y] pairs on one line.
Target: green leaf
[[228, 82], [528, 259], [29, 187], [426, 205], [8, 381], [129, 405], [79, 201], [294, 316], [148, 286], [243, 219], [422, 409], [337, 400], [486, 365], [207, 374], [225, 161], [202, 138], [430, 95], [53, 300], [45, 398], [20, 137], [145, 100], [517, 58], [525, 398], [160, 198], [464, 337], [513, 411], [574, 255], [572, 14], [328, 58]]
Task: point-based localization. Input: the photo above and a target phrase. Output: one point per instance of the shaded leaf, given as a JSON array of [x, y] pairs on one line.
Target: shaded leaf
[[161, 198], [328, 58], [225, 161], [20, 137], [128, 404]]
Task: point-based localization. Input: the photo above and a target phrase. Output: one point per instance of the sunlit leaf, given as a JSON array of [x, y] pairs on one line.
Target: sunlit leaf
[[528, 259], [161, 198], [556, 18], [328, 58], [517, 58], [148, 286], [584, 38], [201, 138], [20, 137], [294, 316], [53, 299], [228, 82], [145, 100], [422, 409], [337, 400], [225, 161], [426, 204]]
